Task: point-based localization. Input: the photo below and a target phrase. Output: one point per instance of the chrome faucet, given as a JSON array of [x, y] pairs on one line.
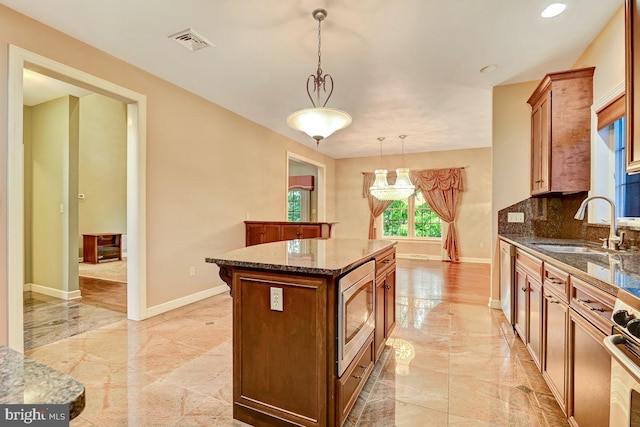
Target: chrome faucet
[[614, 241]]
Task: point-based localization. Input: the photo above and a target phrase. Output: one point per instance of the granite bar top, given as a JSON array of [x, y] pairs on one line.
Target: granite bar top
[[608, 270], [25, 381], [309, 256]]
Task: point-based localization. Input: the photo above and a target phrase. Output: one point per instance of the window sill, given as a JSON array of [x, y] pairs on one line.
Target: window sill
[[413, 239]]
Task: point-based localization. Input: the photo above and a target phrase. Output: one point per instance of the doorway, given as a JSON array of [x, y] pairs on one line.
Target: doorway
[[20, 60], [306, 189]]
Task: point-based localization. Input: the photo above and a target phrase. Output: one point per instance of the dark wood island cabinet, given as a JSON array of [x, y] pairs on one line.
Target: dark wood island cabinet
[[287, 308]]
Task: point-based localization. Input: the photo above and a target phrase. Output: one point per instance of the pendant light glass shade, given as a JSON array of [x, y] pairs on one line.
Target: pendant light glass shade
[[403, 186], [319, 123]]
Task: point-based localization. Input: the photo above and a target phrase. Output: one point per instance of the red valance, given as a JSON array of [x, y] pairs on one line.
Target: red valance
[[301, 182]]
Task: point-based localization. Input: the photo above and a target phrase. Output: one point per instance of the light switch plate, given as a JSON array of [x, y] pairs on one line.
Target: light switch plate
[[515, 217]]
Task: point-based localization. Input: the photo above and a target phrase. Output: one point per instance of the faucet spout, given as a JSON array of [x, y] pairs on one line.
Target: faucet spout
[[614, 241]]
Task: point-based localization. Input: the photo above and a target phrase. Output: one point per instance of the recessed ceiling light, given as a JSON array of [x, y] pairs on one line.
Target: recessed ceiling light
[[489, 68], [554, 9]]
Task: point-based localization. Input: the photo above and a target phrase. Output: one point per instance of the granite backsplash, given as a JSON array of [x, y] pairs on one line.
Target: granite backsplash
[[553, 217]]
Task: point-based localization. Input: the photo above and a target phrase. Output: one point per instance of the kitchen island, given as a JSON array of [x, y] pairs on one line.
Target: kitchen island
[[285, 327]]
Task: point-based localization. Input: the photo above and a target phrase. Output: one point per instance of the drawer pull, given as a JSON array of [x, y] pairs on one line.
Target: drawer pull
[[386, 261], [598, 309], [551, 300], [585, 301], [363, 366], [357, 376], [524, 289]]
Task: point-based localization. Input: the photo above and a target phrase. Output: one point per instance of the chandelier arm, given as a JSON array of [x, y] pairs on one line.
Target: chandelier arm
[[324, 80], [311, 79]]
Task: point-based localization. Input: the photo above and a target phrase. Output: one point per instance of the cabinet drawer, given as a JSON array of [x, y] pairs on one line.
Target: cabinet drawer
[[530, 264], [557, 281], [595, 305], [351, 382], [385, 261]]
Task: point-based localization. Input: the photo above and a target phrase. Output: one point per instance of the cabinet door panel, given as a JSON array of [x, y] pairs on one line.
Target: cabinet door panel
[[535, 320], [556, 318], [380, 316], [390, 303], [290, 232], [309, 231], [590, 374], [545, 143], [271, 233], [521, 291]]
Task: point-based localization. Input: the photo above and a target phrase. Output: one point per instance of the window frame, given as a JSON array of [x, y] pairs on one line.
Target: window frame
[[410, 225]]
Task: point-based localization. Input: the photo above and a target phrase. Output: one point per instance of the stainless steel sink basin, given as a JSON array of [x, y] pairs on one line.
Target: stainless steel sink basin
[[571, 249]]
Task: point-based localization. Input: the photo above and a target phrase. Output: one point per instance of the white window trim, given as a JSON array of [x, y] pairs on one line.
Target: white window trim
[[411, 226]]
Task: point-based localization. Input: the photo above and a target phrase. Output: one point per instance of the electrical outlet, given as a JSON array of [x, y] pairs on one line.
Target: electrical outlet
[[276, 299], [192, 271], [515, 217], [481, 245]]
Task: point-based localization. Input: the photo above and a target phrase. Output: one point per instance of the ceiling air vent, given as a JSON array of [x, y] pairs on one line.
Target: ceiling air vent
[[191, 40]]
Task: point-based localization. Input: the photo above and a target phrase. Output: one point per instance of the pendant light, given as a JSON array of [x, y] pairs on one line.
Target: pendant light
[[319, 122], [402, 189], [380, 188]]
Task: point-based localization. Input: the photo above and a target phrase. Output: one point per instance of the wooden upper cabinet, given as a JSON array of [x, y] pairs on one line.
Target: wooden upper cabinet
[[561, 132], [632, 61]]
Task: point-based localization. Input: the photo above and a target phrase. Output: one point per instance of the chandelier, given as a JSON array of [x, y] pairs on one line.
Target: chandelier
[[319, 122], [402, 189]]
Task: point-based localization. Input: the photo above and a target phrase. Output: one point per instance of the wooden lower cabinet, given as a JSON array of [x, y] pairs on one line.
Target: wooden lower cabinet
[[262, 233], [528, 319], [555, 314], [351, 383], [385, 299], [590, 374]]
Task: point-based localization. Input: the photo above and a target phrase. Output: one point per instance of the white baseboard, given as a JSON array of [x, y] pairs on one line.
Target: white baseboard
[[57, 293], [439, 258], [180, 302], [495, 304], [476, 260], [419, 256]]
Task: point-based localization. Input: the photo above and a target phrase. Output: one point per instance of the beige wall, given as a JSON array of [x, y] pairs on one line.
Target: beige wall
[[102, 166], [474, 218], [53, 139], [207, 167], [512, 122], [606, 53]]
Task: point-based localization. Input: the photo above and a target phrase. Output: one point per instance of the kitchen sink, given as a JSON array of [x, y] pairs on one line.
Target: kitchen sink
[[571, 249]]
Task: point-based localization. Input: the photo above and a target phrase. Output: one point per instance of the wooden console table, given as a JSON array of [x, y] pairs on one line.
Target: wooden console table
[[101, 247]]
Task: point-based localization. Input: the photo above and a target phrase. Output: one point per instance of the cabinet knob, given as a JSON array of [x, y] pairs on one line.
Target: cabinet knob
[[524, 289]]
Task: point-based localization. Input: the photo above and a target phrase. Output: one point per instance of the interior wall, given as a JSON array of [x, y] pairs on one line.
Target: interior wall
[[53, 144], [474, 217], [102, 166], [195, 150], [299, 168]]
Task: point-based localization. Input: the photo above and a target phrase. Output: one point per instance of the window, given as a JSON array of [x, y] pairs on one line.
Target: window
[[411, 217], [625, 185], [295, 197]]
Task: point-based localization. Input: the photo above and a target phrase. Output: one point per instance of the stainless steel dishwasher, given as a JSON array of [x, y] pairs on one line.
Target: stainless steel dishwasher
[[507, 272]]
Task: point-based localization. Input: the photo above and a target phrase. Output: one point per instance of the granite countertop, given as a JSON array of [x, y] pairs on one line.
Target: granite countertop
[[605, 269], [310, 256], [25, 381]]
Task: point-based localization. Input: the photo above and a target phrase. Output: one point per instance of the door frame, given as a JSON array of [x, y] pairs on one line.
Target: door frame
[[321, 185], [19, 59]]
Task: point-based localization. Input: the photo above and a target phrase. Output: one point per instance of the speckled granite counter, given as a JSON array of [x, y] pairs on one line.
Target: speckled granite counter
[[607, 270], [23, 380], [310, 256]]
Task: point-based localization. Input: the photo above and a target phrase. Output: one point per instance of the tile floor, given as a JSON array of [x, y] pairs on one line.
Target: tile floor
[[451, 362]]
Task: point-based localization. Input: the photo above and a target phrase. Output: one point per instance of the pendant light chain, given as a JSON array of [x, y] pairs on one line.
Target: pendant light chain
[[319, 47]]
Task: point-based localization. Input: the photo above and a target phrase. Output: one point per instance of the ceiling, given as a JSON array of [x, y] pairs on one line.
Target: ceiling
[[402, 67]]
